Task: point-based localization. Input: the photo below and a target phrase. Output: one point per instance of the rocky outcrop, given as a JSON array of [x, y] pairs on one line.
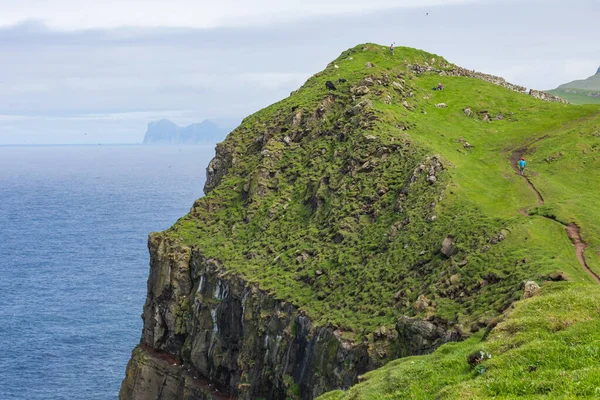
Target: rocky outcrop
[[538, 94], [217, 326], [417, 336], [154, 375], [217, 167], [208, 334]]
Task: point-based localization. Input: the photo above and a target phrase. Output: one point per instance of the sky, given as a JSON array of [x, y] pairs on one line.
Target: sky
[[85, 71]]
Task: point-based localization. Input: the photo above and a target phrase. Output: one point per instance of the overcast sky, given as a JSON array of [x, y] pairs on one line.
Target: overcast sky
[[88, 71]]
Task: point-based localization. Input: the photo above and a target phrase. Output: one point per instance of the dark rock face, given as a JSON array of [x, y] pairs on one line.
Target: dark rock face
[[205, 329], [153, 375], [217, 167], [219, 327], [598, 72], [416, 336]]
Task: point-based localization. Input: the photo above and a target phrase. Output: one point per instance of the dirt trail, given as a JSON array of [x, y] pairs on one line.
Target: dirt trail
[[580, 246], [573, 231], [514, 161]]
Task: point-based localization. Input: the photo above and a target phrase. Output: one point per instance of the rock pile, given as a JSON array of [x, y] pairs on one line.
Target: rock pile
[[538, 94]]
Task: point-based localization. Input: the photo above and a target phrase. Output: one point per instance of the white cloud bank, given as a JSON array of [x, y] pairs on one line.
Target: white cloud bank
[[107, 14]]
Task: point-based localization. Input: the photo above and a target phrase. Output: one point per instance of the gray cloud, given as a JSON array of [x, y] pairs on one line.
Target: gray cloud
[[108, 14], [106, 84]]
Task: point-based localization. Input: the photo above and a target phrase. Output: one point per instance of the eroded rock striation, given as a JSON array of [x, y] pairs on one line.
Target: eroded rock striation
[[217, 326]]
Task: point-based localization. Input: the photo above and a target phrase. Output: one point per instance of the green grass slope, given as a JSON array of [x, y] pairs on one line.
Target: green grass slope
[[578, 96], [548, 347], [591, 83], [328, 202], [584, 91]]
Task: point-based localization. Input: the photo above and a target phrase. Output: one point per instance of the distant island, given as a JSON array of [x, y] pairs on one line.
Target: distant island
[[584, 91], [206, 132]]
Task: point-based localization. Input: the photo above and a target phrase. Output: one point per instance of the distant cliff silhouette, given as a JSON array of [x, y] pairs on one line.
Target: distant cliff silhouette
[[205, 132]]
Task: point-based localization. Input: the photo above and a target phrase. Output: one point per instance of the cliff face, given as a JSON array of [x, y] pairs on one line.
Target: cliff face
[[201, 322]]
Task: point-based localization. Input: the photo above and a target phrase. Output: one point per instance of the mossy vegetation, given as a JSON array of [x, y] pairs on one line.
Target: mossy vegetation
[[338, 201]]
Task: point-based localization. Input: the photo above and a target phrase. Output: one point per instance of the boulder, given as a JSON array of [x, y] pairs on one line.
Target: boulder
[[421, 337], [360, 90], [368, 82], [531, 289], [441, 105], [369, 65], [422, 303], [468, 112], [448, 247]]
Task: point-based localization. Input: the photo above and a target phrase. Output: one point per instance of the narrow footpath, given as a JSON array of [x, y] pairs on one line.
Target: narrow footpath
[[572, 230]]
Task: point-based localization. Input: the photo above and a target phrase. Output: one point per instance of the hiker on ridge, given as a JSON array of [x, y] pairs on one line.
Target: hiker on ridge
[[522, 165], [392, 48]]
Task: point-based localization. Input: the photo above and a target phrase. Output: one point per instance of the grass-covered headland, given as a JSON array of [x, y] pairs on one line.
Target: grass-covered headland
[[384, 198]]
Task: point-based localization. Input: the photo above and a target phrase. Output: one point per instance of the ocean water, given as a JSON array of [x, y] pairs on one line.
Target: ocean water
[[74, 222]]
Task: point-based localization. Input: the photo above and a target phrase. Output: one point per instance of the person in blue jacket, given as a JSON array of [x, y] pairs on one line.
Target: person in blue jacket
[[522, 165]]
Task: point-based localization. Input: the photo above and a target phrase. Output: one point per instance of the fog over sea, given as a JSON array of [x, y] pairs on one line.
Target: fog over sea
[[74, 222]]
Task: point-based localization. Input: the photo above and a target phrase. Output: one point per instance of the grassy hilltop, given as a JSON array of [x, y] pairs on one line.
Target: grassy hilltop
[[339, 201]]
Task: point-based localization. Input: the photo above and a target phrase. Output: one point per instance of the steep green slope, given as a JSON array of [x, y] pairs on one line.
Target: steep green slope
[[547, 346], [339, 201]]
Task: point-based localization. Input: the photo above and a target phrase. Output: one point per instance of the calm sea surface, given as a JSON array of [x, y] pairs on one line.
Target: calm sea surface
[[74, 221]]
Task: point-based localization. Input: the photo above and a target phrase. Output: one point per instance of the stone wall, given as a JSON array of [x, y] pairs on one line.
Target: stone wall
[[546, 96], [496, 80]]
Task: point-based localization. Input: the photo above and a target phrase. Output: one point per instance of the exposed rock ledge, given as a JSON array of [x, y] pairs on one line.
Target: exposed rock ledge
[[201, 323]]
